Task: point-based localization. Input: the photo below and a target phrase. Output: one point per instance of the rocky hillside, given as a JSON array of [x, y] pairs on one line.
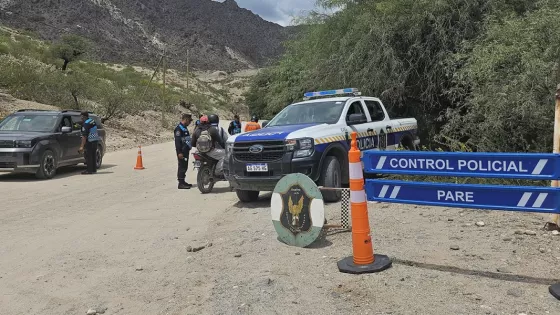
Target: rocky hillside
[[219, 35]]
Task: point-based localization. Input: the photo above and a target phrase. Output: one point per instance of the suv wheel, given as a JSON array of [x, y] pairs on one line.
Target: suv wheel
[[47, 169], [247, 195], [98, 158], [331, 177]]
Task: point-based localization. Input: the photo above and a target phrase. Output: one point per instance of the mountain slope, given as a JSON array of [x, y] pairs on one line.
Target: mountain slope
[[218, 35]]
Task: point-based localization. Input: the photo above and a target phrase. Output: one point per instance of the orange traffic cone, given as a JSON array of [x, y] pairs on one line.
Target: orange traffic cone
[[139, 164], [363, 259]]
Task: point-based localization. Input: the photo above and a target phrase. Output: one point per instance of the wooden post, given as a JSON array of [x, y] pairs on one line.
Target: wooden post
[[554, 222], [163, 104], [152, 78], [188, 76]]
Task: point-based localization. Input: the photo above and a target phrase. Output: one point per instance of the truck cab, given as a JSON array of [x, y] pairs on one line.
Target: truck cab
[[313, 138]]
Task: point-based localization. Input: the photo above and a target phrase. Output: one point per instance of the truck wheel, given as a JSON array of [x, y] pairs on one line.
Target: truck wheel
[[47, 168], [408, 144], [331, 177], [247, 195]]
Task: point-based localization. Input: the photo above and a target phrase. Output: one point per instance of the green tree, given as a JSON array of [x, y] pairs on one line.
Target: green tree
[[506, 84], [438, 61], [70, 48], [114, 101], [394, 49]]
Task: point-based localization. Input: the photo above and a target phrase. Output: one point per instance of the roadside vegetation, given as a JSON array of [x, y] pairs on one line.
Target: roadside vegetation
[[477, 74], [60, 74]]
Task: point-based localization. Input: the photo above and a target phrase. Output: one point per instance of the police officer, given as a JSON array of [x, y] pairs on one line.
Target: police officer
[[90, 139], [235, 126], [183, 148]]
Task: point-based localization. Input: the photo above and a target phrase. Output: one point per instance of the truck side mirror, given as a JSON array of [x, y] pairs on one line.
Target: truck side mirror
[[264, 123], [356, 119]]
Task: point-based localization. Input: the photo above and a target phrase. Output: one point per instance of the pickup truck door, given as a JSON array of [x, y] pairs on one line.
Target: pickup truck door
[[365, 139], [380, 124]]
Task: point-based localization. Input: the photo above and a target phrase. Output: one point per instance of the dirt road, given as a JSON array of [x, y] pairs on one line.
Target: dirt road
[[118, 243]]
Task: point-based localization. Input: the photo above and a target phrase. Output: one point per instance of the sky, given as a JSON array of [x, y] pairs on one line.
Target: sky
[[277, 11]]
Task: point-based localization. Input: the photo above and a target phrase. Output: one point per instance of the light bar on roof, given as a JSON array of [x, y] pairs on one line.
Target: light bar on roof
[[309, 95]]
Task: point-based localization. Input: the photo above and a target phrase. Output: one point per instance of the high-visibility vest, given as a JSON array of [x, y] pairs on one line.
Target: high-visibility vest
[[93, 135], [251, 126]]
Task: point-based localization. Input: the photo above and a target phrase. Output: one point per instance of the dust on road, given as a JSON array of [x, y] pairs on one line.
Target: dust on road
[[130, 252]]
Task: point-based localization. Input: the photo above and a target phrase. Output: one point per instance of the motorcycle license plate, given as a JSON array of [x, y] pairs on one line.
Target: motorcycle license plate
[[197, 164], [261, 167]]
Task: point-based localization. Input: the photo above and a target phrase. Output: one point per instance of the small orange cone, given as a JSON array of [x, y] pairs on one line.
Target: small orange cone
[[139, 164]]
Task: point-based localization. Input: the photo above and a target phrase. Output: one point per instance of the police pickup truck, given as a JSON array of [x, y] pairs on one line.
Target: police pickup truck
[[313, 138]]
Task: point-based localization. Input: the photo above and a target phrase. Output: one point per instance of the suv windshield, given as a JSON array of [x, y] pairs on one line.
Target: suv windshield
[[309, 113], [29, 122]]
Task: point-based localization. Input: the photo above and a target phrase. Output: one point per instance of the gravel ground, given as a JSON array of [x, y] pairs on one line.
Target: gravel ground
[[144, 247]]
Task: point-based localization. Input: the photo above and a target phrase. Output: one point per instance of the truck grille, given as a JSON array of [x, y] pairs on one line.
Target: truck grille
[[6, 143], [272, 151]]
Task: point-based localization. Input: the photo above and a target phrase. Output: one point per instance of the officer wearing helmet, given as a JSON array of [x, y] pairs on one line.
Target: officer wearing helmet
[[210, 139], [253, 124]]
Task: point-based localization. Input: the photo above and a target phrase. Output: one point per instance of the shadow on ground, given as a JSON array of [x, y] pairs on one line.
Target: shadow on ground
[[478, 273], [263, 202], [61, 174]]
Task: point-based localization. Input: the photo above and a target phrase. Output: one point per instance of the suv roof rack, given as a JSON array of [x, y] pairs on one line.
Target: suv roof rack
[[33, 110], [74, 111]]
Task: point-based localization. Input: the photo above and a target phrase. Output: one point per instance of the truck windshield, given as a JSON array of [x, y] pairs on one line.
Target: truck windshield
[[33, 123], [327, 112]]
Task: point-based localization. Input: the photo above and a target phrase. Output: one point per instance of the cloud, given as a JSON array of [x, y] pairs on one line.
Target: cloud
[[278, 11]]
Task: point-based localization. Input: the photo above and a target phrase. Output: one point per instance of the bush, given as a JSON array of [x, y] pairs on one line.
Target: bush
[[31, 71], [477, 72]]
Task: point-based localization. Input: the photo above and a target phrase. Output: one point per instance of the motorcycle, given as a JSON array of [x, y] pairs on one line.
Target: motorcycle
[[206, 177]]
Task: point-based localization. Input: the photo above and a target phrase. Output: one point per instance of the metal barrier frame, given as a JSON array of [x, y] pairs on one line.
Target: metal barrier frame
[[487, 197]]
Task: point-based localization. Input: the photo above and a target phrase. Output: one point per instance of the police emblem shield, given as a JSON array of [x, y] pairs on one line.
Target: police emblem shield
[[297, 210], [178, 133], [295, 214]]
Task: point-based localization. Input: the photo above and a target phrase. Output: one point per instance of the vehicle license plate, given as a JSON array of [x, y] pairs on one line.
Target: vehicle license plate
[[257, 167], [197, 164]]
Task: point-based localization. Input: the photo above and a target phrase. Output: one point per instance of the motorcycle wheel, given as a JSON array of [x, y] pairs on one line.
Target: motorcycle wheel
[[205, 180]]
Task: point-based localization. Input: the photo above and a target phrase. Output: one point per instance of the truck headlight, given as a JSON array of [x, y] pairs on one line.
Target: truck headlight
[[24, 144], [229, 149], [302, 147]]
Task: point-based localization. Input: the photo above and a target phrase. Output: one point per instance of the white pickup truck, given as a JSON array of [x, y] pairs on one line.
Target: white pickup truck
[[312, 137]]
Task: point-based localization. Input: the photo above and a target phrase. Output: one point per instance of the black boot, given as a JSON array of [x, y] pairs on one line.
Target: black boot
[[184, 186]]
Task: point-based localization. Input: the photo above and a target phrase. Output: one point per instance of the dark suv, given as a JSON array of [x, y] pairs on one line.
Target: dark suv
[[39, 142]]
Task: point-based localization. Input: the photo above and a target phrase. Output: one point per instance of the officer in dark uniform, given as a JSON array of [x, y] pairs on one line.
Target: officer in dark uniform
[[90, 139], [183, 147]]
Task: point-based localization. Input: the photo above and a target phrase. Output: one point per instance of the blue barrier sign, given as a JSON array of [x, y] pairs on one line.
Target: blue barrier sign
[[510, 198], [483, 165]]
